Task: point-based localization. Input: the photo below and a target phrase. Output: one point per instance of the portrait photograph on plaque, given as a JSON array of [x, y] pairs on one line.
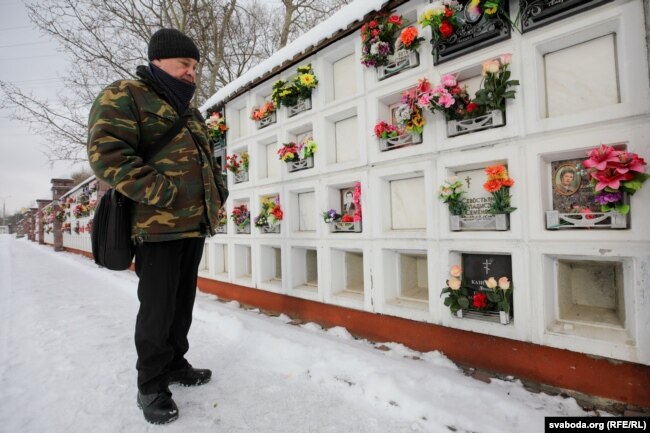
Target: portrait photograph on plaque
[[570, 185], [347, 201]]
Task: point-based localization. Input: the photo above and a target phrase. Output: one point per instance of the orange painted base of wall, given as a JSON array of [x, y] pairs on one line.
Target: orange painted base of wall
[[89, 255], [621, 381]]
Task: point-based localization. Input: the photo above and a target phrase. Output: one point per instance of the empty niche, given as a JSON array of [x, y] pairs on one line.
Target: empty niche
[[243, 268], [270, 164], [591, 292], [347, 144], [271, 265], [406, 277], [304, 265], [347, 273], [306, 216], [407, 204], [220, 261], [567, 91], [344, 71]]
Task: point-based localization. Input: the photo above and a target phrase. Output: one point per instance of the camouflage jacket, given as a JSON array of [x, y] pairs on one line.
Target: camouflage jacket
[[175, 193]]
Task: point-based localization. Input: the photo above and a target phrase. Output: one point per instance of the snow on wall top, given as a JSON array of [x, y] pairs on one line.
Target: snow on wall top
[[340, 20]]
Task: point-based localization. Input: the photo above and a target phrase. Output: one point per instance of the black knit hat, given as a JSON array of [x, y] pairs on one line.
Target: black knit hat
[[171, 43]]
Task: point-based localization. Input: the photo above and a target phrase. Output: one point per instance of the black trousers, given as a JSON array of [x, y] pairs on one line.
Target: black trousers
[[167, 289]]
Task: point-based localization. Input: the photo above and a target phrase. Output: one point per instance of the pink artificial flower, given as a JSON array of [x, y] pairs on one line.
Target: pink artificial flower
[[448, 80], [423, 85], [446, 100], [630, 162], [505, 59], [425, 100], [610, 178], [598, 158]]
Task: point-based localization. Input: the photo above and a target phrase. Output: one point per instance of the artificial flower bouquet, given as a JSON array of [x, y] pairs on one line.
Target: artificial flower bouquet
[[240, 215], [270, 213], [222, 217], [237, 163], [614, 173], [217, 126], [377, 37], [265, 111], [445, 16], [496, 85], [408, 116], [451, 192], [292, 151], [498, 185], [289, 93], [346, 222], [460, 297]]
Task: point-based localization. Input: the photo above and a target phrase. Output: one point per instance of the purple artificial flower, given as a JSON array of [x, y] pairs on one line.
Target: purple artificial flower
[[384, 48], [604, 198]]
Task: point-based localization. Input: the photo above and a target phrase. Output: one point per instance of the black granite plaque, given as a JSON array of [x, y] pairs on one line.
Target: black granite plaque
[[473, 33], [538, 13], [479, 267]]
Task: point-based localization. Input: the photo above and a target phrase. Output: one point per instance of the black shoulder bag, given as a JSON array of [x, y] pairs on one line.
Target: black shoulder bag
[[111, 232]]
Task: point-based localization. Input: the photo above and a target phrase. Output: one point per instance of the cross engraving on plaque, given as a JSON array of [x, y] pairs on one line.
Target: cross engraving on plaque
[[486, 265], [469, 181]]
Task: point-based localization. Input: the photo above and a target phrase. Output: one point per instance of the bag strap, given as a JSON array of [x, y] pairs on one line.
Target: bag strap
[[166, 137]]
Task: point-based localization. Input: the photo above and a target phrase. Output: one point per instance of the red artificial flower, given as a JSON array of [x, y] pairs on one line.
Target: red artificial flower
[[492, 185], [471, 107], [347, 218], [630, 162], [448, 12], [408, 35], [446, 29], [395, 19], [479, 300], [372, 24], [598, 158], [277, 212], [610, 178], [508, 182], [375, 32]]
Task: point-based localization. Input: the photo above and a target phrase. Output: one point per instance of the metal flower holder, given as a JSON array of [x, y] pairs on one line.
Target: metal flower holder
[[268, 120], [399, 141], [612, 219], [299, 107], [246, 230], [271, 229], [493, 119], [300, 164], [401, 60], [240, 176], [345, 227], [222, 229], [486, 316], [498, 222]]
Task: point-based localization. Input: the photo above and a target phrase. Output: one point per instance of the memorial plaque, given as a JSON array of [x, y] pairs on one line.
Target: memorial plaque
[[570, 185], [538, 13], [479, 267], [478, 199]]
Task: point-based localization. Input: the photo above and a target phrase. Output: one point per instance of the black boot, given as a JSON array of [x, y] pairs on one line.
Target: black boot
[[158, 408], [189, 376]]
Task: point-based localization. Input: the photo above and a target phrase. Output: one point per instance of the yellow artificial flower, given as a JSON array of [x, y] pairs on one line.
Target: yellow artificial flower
[[307, 80], [426, 16], [418, 120], [490, 11]]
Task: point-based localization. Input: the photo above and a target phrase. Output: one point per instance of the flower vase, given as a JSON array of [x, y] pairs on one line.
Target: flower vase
[[268, 120], [243, 230], [498, 222], [240, 176], [399, 141], [492, 119], [221, 229], [612, 219], [345, 227], [271, 229], [401, 60], [299, 107], [459, 314], [300, 164], [504, 318]]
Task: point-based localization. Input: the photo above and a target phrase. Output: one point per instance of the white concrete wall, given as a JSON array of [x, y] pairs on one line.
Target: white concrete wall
[[584, 81]]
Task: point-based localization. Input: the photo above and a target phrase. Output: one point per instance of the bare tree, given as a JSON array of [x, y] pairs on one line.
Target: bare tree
[[106, 39]]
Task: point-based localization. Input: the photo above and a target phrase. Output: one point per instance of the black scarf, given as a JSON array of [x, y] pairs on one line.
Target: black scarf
[[179, 92]]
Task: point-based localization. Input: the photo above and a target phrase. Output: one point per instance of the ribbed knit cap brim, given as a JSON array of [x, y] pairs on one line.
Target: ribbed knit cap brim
[[171, 43]]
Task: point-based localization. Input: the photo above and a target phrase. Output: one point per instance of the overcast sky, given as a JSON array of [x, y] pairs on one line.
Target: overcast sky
[[29, 60]]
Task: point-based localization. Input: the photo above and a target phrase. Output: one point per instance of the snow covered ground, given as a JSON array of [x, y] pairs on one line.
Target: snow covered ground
[[67, 365]]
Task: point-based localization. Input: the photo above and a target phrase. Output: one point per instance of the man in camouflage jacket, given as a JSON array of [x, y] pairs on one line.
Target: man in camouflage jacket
[[176, 200]]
